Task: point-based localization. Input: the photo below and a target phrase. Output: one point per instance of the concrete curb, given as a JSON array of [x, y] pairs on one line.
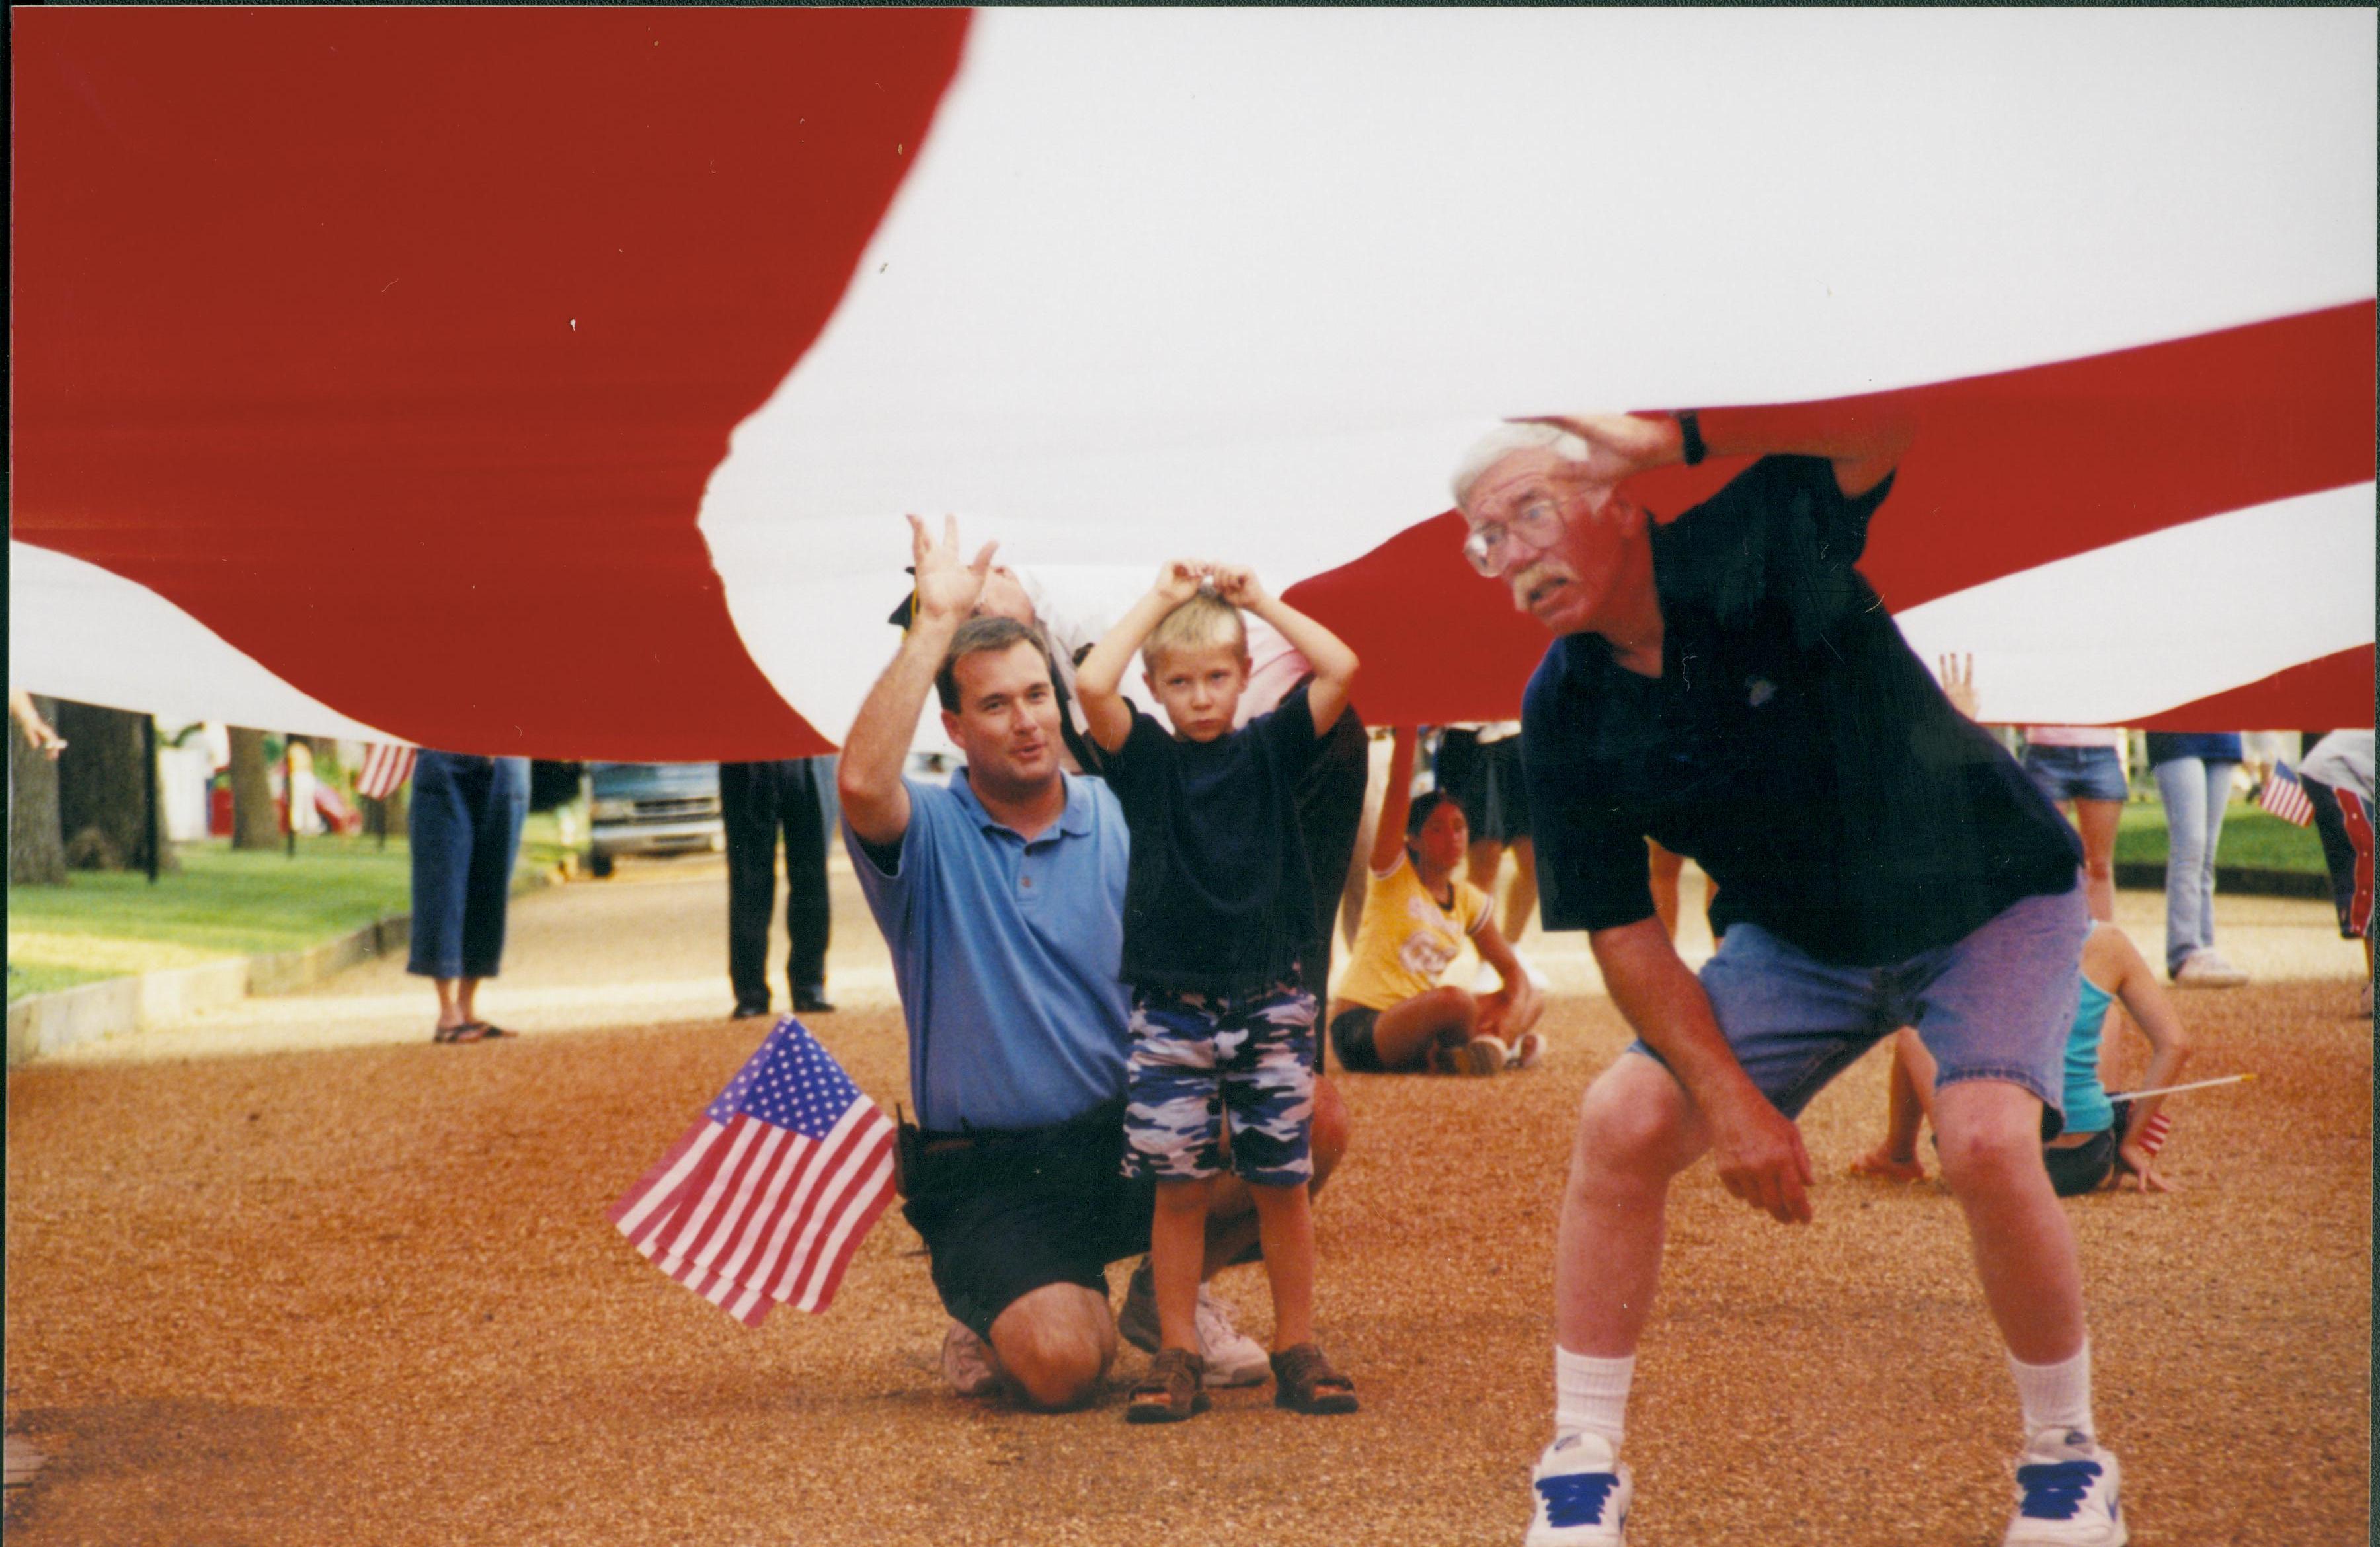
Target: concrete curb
[[49, 1023], [2238, 881]]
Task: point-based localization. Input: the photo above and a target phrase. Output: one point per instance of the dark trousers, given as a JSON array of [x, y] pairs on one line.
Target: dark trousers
[[756, 801], [465, 826]]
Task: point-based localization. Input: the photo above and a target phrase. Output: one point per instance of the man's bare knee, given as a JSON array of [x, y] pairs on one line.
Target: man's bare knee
[[1056, 1344], [1635, 1120], [1989, 1135]]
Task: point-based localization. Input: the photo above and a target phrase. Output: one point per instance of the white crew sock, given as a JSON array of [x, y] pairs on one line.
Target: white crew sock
[[1591, 1394], [2055, 1395]]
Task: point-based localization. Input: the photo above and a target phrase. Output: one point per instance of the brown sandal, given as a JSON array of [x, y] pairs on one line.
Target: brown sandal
[[1172, 1390], [1304, 1383]]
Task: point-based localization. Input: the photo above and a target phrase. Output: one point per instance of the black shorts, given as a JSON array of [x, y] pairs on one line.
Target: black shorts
[[1005, 1213], [2080, 1168], [1351, 1035], [1485, 780]]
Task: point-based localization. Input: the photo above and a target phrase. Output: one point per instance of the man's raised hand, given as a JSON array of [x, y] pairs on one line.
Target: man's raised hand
[[947, 589], [1618, 446]]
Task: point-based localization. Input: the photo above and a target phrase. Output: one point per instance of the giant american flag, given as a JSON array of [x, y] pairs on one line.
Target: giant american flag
[[680, 310], [763, 1202]]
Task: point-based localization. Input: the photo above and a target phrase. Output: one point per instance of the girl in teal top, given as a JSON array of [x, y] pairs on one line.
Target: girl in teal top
[[2101, 1137]]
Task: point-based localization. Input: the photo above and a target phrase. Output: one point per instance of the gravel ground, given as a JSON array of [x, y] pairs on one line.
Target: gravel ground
[[366, 1294]]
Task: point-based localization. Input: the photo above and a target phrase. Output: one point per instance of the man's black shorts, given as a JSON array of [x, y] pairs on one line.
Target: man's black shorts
[[1004, 1213]]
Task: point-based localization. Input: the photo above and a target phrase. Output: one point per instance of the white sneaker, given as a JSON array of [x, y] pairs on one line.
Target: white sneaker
[[1582, 1494], [1527, 1051], [969, 1364], [2066, 1495], [1232, 1358], [2206, 967]]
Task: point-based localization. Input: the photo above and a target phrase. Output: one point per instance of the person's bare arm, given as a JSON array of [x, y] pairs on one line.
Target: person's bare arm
[[1756, 1148], [1098, 680], [1863, 441], [1333, 662], [2137, 988], [39, 733], [875, 801], [1396, 801], [1516, 996]]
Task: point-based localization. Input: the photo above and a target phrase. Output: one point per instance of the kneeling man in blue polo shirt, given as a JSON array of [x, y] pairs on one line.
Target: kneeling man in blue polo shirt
[[1001, 897], [1729, 684]]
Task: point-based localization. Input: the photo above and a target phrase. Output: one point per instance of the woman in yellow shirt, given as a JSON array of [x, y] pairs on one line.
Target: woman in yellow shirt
[[1391, 1012]]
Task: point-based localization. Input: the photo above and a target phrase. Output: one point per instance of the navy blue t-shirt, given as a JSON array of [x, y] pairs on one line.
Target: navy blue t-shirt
[[1792, 745], [1218, 899]]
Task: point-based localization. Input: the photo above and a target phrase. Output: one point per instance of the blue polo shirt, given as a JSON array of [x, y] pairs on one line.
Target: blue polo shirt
[[1007, 955]]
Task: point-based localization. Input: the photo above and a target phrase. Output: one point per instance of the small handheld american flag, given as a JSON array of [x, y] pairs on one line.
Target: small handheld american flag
[[764, 1200], [386, 766], [2282, 794]]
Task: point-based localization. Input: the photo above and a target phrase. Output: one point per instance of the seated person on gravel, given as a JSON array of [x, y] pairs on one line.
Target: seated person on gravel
[[1219, 915], [2103, 1137], [1001, 897], [1391, 1012]]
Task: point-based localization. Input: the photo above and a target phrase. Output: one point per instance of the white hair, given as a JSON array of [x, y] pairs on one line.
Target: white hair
[[1502, 442]]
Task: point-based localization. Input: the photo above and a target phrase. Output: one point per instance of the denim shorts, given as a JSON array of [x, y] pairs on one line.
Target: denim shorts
[[1995, 1005], [2077, 773]]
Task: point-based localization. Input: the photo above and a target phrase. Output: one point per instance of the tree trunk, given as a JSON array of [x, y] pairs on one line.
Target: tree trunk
[[103, 787], [254, 821], [37, 849]]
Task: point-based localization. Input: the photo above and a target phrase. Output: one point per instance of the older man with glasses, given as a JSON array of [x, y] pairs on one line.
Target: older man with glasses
[[1729, 684]]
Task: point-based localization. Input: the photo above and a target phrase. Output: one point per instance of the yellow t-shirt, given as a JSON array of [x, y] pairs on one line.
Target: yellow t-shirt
[[1406, 939]]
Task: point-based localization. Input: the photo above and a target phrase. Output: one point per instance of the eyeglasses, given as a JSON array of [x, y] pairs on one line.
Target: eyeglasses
[[1536, 527]]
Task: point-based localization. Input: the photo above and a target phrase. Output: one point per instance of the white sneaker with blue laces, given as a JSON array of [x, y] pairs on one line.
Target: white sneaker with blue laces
[[2066, 1494], [1583, 1494]]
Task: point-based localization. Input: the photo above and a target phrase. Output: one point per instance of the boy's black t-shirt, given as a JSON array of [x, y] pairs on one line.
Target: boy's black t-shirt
[[1792, 745], [1219, 896]]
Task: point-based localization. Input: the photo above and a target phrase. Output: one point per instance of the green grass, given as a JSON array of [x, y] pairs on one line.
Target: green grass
[[218, 903], [2253, 839]]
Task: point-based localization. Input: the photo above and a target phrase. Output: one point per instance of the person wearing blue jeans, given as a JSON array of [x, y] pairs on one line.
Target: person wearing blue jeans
[[466, 827], [2193, 777]]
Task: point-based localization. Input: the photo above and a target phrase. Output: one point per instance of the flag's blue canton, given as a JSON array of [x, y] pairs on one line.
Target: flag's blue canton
[[792, 1083]]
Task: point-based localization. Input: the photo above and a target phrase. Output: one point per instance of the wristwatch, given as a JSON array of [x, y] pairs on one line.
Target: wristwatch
[[1690, 427]]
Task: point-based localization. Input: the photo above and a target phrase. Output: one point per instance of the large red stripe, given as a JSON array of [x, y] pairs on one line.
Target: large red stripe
[[2007, 472], [295, 296], [2333, 691]]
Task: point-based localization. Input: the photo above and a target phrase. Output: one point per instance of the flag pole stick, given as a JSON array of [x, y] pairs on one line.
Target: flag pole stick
[[2171, 1089]]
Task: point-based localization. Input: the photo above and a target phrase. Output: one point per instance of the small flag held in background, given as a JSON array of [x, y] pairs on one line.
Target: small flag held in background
[[386, 765], [764, 1200], [2285, 797]]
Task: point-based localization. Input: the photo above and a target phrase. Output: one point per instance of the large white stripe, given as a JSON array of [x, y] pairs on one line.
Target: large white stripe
[[2166, 619], [78, 631], [1242, 282]]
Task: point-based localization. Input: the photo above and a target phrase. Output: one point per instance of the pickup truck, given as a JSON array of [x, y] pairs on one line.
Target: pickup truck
[[654, 808]]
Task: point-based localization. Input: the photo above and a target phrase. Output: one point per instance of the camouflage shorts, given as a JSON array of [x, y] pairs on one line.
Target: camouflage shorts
[[1197, 1058]]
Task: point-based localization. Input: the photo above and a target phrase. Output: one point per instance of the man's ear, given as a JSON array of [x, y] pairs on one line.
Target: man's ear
[[951, 726]]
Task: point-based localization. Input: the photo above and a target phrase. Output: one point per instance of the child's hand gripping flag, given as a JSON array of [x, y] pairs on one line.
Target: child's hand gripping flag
[[766, 1199]]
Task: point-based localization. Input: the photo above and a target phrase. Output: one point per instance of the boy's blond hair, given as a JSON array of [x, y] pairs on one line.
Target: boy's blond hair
[[1204, 620]]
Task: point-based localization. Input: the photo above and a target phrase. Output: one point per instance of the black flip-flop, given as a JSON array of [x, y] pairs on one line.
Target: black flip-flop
[[470, 1032]]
